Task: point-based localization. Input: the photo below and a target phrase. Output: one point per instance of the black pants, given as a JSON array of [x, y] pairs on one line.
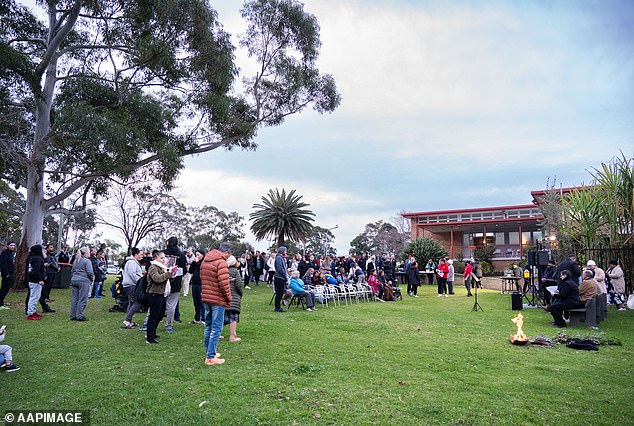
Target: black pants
[[442, 285], [557, 310], [280, 285], [48, 285], [258, 273], [7, 283], [430, 279], [271, 275], [199, 310], [155, 302]]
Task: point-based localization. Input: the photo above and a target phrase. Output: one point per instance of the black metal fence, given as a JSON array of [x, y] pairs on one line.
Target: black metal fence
[[603, 254]]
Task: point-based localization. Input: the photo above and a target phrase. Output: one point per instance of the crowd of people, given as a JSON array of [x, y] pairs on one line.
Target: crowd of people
[[575, 286], [152, 284]]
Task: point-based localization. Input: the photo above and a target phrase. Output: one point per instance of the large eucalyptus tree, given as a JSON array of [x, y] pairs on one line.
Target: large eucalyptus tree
[[102, 88]]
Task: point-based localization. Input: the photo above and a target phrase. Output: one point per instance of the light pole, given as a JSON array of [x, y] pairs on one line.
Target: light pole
[[326, 241]]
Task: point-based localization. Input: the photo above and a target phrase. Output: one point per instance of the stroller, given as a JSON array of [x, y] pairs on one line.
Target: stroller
[[118, 293]]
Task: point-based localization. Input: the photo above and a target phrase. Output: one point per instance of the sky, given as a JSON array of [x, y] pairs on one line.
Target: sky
[[445, 105]]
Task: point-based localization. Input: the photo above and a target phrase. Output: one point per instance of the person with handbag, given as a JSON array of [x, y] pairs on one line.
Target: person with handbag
[[158, 277]]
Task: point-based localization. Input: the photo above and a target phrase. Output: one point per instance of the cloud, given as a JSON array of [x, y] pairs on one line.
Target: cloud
[[230, 191]]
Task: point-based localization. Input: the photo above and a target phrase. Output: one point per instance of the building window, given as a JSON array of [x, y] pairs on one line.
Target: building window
[[514, 237]]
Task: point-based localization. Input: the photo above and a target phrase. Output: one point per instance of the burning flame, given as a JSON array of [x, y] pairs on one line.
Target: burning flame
[[519, 337]]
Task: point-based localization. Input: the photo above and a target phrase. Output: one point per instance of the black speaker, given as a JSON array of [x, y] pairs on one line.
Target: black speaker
[[542, 258], [516, 301]]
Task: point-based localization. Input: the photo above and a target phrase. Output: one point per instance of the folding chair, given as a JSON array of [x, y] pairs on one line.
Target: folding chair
[[298, 299]]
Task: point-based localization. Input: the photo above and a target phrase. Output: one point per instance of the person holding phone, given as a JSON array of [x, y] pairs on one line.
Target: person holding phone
[[6, 353]]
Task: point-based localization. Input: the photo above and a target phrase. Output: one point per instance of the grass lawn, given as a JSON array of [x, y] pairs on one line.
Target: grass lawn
[[418, 361]]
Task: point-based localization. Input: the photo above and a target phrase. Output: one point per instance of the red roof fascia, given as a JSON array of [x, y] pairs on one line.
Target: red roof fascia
[[479, 209], [513, 219]]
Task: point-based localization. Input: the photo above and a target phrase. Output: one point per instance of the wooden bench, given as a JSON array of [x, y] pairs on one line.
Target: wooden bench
[[587, 314]]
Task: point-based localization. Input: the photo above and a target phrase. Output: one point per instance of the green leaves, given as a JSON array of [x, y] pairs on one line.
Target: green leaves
[[424, 249], [282, 216]]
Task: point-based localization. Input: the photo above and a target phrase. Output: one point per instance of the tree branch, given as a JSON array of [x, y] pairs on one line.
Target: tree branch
[[59, 36], [10, 211]]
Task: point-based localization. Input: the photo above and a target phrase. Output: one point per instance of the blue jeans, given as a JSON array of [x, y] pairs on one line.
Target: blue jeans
[[214, 320]]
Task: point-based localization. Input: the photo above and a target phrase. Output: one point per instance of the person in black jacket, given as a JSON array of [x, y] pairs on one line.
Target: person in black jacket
[[7, 271], [196, 287], [570, 264], [567, 298], [36, 276]]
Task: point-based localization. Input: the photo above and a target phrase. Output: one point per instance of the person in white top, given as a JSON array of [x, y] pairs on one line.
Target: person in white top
[[190, 257]]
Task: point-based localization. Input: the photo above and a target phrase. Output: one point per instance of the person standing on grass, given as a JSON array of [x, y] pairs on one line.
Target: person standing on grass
[[157, 277], [195, 285], [132, 273], [216, 295], [468, 277], [442, 272], [82, 276], [270, 263], [171, 302], [232, 314], [430, 269], [617, 279], [7, 271], [281, 277], [36, 277], [413, 277], [190, 256], [52, 268], [450, 277]]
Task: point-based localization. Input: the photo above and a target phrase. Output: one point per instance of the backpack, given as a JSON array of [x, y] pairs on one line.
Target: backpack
[[140, 290]]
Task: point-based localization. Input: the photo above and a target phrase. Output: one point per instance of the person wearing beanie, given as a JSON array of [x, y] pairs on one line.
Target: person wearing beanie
[[216, 295], [232, 315], [36, 276], [280, 278], [195, 285], [176, 283], [7, 271]]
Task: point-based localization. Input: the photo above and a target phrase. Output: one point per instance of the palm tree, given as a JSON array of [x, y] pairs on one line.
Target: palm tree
[[283, 216]]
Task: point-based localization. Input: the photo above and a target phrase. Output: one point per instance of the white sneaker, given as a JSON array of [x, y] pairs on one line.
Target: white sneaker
[[440, 295], [247, 287], [416, 295], [446, 295]]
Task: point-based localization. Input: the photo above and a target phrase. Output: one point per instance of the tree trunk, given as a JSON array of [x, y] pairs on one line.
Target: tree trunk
[[280, 239], [33, 219]]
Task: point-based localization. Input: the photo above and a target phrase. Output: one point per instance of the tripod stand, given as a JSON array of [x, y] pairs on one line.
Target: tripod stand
[[476, 305]]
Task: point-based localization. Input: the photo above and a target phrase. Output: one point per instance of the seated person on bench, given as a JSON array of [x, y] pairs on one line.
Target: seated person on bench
[[567, 298], [588, 287], [299, 289]]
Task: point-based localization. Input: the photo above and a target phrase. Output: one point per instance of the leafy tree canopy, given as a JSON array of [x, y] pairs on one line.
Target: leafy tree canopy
[[103, 88]]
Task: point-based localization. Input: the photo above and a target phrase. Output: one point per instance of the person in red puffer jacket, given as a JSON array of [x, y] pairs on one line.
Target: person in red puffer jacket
[[216, 295]]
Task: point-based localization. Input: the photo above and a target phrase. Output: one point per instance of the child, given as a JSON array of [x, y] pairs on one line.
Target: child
[[6, 353]]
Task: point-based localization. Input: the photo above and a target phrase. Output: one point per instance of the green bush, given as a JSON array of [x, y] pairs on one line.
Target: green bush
[[424, 249]]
